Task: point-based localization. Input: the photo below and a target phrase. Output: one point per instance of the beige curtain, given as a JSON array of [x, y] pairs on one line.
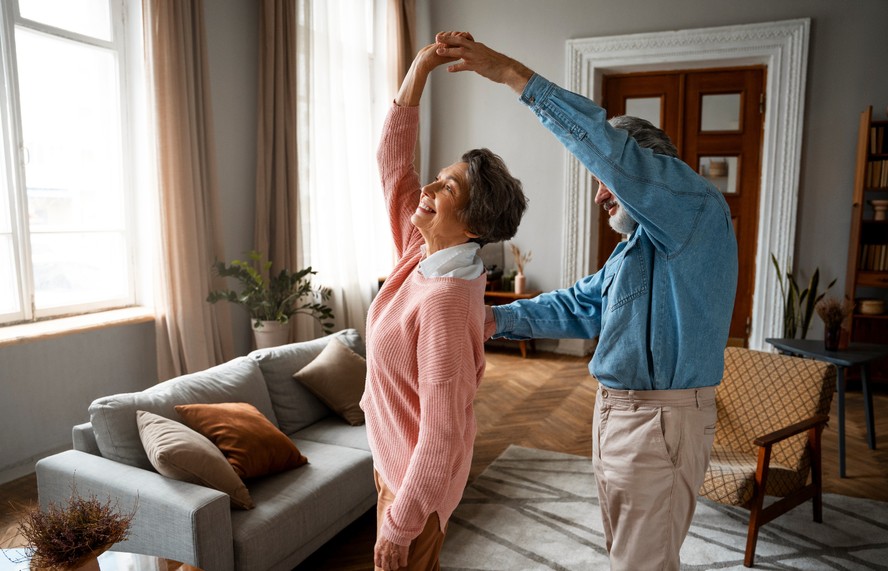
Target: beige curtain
[[402, 49], [276, 231], [402, 40], [191, 334]]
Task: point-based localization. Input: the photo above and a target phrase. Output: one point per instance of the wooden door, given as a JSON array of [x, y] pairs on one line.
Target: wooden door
[[715, 118]]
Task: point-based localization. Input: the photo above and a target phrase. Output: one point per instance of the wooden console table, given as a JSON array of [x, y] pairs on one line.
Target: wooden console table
[[504, 297]]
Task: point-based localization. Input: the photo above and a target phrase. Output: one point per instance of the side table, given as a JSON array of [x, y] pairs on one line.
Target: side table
[[856, 354], [504, 297]]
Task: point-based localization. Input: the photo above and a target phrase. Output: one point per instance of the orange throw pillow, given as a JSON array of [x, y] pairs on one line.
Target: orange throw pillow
[[250, 442]]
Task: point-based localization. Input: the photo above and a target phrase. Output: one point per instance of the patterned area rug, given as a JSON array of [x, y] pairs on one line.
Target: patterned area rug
[[534, 509]]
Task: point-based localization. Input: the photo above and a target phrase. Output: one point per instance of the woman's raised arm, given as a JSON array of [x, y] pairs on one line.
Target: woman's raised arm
[[414, 82]]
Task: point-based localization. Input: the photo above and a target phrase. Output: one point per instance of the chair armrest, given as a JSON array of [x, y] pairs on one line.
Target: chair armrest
[[173, 519], [774, 437]]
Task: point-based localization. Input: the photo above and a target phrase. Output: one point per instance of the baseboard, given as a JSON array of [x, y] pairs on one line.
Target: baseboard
[[26, 467], [577, 347]]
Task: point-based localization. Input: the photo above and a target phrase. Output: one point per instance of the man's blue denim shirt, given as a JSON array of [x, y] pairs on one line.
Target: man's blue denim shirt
[[661, 306]]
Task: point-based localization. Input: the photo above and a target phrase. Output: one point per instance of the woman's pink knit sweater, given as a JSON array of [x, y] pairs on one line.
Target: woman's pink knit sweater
[[425, 359]]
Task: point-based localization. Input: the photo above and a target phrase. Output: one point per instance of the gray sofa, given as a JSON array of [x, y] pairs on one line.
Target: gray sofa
[[296, 511]]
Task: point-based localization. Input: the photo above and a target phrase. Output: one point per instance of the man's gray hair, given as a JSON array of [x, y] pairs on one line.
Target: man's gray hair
[[645, 134]]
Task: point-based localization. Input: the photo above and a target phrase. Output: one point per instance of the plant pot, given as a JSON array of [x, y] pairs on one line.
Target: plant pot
[[831, 336], [89, 562], [270, 334]]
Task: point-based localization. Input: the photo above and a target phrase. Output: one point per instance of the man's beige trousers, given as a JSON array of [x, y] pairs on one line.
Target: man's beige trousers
[[650, 453]]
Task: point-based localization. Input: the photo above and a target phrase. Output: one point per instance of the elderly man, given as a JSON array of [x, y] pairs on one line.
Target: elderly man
[[661, 308]]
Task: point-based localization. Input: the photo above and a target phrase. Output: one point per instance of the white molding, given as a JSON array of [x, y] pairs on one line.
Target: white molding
[[783, 48]]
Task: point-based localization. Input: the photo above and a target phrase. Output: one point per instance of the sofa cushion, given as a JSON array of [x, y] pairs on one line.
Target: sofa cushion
[[299, 510], [332, 430], [253, 446], [180, 453], [336, 376], [114, 417], [294, 405]]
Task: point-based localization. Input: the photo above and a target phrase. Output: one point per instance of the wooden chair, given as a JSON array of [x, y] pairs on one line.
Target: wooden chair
[[771, 412]]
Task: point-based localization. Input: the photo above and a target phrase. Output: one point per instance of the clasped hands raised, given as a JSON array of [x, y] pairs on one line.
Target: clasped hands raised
[[469, 55]]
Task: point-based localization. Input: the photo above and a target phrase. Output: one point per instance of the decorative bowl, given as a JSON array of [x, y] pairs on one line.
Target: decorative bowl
[[871, 306]]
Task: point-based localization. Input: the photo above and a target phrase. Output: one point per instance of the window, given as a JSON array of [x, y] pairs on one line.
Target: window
[[348, 237], [65, 192]]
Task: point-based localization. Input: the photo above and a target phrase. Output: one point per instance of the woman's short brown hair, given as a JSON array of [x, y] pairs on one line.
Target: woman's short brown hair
[[496, 199]]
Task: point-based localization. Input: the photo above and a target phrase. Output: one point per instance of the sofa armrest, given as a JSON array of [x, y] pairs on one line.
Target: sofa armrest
[[84, 438], [175, 520]]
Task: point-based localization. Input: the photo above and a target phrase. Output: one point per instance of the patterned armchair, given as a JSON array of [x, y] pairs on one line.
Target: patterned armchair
[[771, 411]]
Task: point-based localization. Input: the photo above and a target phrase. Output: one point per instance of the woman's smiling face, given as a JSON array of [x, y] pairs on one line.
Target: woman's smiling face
[[440, 202]]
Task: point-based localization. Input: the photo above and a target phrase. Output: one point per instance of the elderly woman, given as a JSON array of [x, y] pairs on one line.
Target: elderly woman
[[425, 354]]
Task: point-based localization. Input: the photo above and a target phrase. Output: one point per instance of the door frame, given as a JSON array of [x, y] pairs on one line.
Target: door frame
[[783, 48]]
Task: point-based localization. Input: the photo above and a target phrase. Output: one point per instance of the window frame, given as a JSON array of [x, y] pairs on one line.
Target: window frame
[[13, 159]]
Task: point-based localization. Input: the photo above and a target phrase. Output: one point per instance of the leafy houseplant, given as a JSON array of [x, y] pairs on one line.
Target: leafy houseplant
[[798, 306], [277, 297]]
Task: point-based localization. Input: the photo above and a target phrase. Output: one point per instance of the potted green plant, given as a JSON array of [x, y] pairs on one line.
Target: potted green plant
[[798, 305], [271, 301]]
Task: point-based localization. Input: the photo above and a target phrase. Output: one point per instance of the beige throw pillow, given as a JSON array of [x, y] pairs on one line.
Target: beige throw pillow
[[336, 377], [180, 453]]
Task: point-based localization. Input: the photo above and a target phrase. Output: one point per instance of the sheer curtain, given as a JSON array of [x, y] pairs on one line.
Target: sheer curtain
[[343, 98], [191, 334]]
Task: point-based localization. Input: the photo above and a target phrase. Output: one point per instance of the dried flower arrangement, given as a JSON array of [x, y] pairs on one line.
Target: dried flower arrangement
[[521, 260], [66, 536], [833, 311]]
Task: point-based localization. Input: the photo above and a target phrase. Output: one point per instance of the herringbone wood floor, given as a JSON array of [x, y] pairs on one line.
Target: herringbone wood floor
[[545, 401]]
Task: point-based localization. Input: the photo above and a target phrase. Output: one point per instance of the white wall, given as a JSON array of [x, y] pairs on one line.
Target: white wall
[[46, 387], [847, 40]]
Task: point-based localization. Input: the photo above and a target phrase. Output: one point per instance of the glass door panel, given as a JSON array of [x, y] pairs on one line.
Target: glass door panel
[[645, 108]]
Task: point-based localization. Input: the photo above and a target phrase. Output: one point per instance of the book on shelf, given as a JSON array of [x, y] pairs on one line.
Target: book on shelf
[[874, 257], [877, 139], [877, 174]]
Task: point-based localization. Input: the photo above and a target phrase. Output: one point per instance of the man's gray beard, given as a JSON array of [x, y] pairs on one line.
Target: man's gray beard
[[622, 223]]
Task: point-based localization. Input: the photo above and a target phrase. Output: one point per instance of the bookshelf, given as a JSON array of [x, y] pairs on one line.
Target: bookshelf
[[867, 275]]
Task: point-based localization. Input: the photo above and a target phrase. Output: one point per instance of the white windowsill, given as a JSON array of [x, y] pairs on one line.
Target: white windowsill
[[40, 330]]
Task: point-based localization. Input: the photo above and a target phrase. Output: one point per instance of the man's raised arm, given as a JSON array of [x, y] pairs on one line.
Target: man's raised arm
[[482, 60]]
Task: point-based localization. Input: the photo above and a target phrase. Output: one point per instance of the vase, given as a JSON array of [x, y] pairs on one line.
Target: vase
[[519, 283], [89, 562], [831, 335], [270, 334], [880, 207]]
